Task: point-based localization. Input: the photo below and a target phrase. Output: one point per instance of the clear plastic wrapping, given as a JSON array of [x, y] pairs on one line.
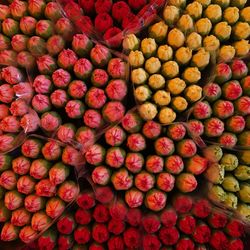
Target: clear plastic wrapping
[[38, 183], [101, 213], [71, 78], [145, 162], [93, 102], [169, 65], [107, 23], [18, 119], [224, 112]]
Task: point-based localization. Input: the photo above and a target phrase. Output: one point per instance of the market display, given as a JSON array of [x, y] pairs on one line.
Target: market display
[[124, 124]]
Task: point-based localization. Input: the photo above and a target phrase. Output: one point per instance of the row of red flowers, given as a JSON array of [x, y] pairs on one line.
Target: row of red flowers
[[97, 222]]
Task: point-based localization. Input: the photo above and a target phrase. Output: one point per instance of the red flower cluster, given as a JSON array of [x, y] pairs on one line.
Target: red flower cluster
[[109, 17], [206, 225], [97, 224], [185, 224]]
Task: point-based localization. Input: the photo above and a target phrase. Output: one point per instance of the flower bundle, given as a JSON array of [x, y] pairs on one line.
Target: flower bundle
[[124, 162], [226, 105], [108, 20], [36, 187], [168, 63], [92, 96], [205, 226], [73, 78], [228, 175], [26, 27]]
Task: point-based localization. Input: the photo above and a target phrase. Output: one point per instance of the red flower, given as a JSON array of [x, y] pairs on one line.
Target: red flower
[[119, 10], [104, 194], [235, 228], [137, 4], [72, 10], [82, 235], [151, 242], [84, 24], [101, 213], [238, 66], [219, 241], [202, 208], [116, 243], [103, 22], [87, 5], [169, 236], [118, 210], [182, 203], [217, 219], [113, 37], [46, 243], [130, 21], [147, 14], [103, 6], [132, 238], [82, 216], [116, 226], [134, 216], [151, 223], [45, 188], [202, 234], [168, 217], [65, 242], [66, 224], [100, 233], [236, 244], [185, 244], [187, 224], [86, 200]]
